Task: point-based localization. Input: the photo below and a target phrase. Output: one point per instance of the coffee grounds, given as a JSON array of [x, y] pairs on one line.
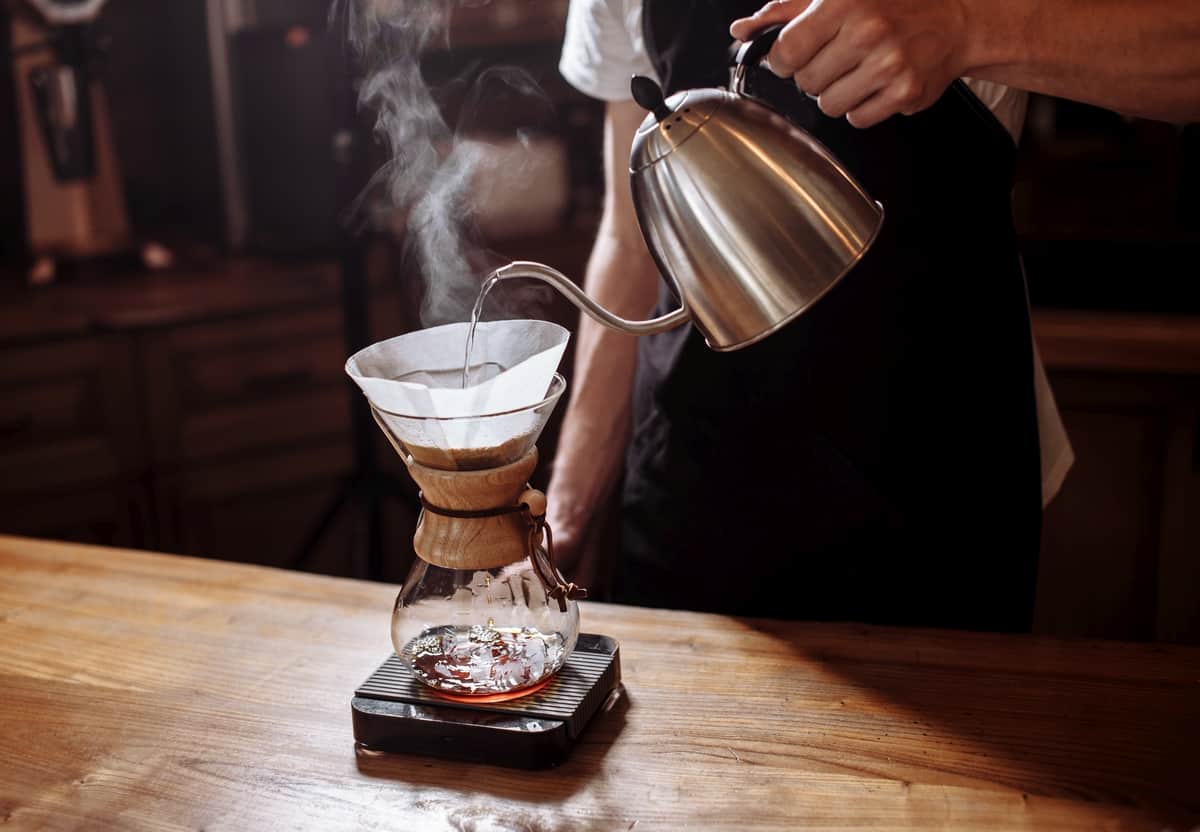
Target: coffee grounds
[[472, 459]]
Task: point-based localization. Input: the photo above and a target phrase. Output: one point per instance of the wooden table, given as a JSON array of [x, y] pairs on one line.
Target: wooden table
[[158, 692]]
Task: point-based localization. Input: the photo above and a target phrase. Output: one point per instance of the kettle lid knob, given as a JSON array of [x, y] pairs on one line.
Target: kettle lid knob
[[649, 95]]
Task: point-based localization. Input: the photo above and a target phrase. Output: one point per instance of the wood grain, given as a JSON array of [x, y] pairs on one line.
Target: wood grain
[[143, 691], [477, 542]]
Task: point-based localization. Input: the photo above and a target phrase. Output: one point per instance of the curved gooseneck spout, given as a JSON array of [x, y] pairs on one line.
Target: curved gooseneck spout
[[567, 288]]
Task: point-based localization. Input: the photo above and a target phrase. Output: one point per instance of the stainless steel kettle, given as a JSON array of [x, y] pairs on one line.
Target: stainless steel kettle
[[749, 218]]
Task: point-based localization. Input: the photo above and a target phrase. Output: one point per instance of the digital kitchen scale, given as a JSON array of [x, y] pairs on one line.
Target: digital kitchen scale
[[394, 712]]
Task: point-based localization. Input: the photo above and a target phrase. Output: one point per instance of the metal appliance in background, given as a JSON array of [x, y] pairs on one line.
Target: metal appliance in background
[[749, 218], [74, 201], [276, 85]]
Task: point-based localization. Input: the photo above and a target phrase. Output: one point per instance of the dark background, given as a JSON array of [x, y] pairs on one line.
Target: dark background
[[203, 410]]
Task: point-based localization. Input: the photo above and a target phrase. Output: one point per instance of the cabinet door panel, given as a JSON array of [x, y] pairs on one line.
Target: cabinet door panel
[[1178, 614], [1101, 532], [1121, 542], [68, 415], [220, 390]]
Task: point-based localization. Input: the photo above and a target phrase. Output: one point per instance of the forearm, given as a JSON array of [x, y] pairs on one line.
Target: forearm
[[596, 428], [1140, 58], [868, 60]]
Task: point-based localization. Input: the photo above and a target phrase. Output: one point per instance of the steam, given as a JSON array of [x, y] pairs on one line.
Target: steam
[[433, 170]]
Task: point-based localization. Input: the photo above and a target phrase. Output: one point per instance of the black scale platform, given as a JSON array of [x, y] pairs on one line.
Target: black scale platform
[[394, 712]]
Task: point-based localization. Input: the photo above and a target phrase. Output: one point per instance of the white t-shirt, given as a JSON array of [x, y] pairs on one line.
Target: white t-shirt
[[604, 47]]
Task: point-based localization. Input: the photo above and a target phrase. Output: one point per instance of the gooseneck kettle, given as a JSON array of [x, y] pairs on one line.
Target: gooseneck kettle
[[749, 219]]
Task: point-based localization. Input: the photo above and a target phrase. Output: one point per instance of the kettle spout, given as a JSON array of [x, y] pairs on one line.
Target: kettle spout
[[568, 289]]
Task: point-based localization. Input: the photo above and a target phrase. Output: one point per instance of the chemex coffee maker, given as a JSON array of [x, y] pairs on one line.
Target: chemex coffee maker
[[489, 662], [751, 221], [74, 199]]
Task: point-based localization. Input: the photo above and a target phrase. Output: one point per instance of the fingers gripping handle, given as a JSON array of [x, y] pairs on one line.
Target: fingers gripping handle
[[753, 51]]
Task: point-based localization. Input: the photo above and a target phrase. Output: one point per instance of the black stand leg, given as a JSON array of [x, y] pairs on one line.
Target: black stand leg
[[363, 491]]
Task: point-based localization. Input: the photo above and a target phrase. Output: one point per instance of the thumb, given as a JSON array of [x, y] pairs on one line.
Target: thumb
[[778, 11]]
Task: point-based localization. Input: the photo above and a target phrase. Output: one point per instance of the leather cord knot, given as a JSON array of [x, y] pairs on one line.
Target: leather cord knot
[[542, 558]]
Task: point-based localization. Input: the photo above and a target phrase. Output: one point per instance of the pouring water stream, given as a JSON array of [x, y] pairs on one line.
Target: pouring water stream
[[476, 312]]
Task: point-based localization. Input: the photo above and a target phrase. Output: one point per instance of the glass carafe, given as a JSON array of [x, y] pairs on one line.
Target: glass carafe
[[483, 612]]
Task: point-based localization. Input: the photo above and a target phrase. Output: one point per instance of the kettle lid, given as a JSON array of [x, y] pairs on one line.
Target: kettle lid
[[671, 121]]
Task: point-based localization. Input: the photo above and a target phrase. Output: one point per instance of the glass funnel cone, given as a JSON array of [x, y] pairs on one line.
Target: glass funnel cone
[[414, 384], [471, 443]]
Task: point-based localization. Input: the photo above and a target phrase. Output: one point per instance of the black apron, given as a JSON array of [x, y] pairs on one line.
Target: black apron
[[877, 459]]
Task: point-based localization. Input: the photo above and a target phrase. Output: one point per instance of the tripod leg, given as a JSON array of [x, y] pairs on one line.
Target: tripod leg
[[320, 528], [375, 535]]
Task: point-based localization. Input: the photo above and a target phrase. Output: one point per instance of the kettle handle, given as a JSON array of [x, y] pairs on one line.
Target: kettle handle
[[752, 52]]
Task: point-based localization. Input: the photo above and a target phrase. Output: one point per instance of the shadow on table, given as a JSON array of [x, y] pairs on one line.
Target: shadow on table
[[584, 764], [1083, 720]]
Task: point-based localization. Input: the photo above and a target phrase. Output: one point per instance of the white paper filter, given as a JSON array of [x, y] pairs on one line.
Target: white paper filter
[[513, 362]]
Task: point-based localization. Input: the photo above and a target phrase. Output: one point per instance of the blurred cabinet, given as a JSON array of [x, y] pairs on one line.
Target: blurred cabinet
[[202, 412], [1106, 208], [228, 388], [258, 509], [70, 455], [247, 428], [1121, 542]]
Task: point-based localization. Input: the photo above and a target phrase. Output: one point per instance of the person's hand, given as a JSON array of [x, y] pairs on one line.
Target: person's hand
[[865, 59]]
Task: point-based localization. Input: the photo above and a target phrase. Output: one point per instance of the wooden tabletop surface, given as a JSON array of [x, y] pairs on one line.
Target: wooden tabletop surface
[[142, 691]]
